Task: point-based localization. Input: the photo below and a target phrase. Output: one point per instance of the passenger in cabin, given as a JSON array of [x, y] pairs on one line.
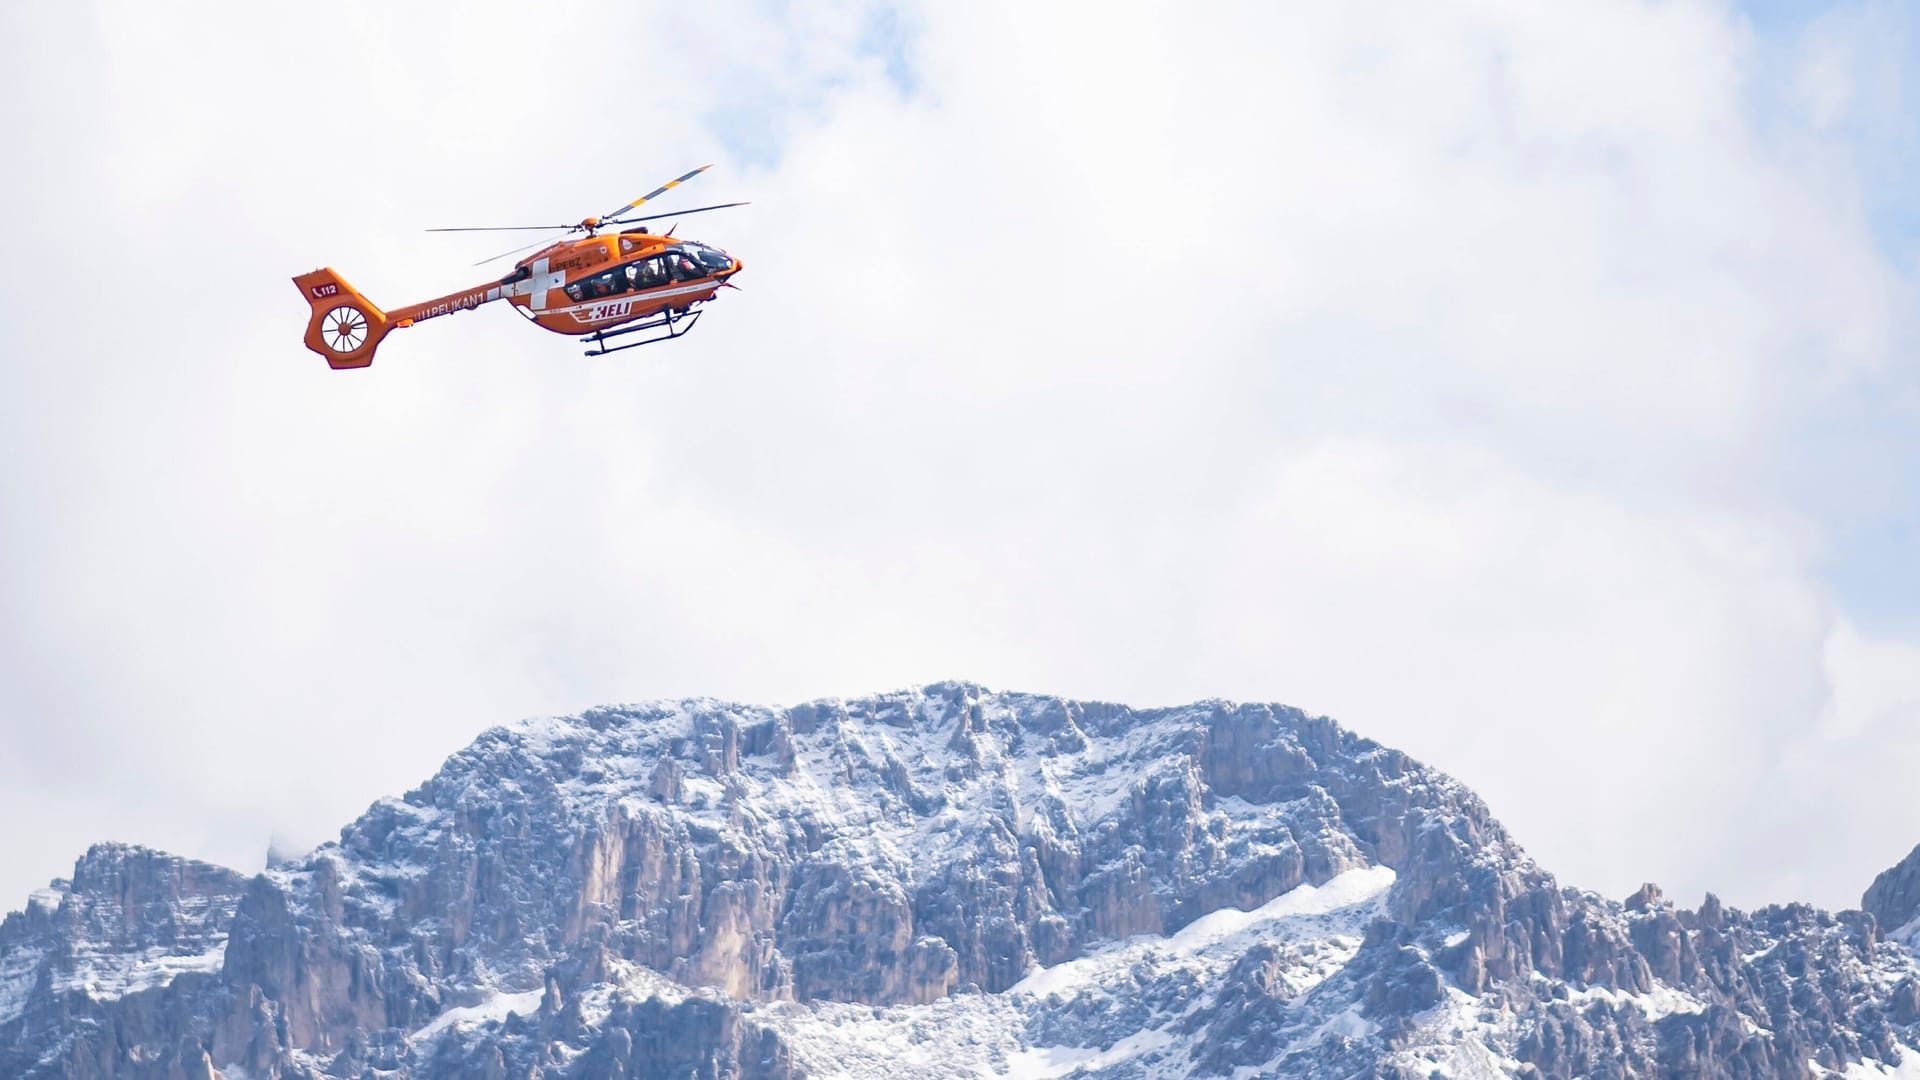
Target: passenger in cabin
[[652, 273], [577, 291]]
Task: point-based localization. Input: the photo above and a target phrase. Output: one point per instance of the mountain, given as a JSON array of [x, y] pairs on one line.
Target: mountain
[[941, 882]]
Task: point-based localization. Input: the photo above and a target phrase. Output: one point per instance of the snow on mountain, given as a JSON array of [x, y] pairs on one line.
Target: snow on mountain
[[987, 1034], [946, 881]]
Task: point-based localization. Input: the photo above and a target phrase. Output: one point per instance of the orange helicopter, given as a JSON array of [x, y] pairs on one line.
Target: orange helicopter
[[596, 287]]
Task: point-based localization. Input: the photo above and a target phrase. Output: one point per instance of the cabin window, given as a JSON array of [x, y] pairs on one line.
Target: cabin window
[[647, 273], [602, 284]]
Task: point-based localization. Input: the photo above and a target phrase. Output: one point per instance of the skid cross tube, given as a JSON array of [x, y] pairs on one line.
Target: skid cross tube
[[674, 325]]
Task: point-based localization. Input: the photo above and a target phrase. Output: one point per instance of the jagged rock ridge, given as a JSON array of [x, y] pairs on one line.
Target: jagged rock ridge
[[946, 880]]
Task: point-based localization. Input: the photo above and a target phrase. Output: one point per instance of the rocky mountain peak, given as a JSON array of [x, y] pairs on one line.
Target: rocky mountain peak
[[977, 881], [1645, 899]]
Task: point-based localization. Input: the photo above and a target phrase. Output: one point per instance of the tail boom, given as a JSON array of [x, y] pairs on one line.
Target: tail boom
[[346, 327]]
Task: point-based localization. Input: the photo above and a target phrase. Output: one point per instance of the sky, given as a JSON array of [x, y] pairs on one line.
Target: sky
[[1528, 387]]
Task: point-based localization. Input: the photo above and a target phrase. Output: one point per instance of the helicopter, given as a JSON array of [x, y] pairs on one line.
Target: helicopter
[[601, 287]]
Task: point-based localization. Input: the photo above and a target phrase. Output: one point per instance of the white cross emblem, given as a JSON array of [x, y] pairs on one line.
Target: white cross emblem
[[538, 283]]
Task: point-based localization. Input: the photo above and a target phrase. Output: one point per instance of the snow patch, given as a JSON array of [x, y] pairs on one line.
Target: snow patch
[[1460, 1039], [109, 977], [1907, 1068], [1043, 1062], [1216, 928], [1661, 1001], [493, 1010], [1349, 1024], [965, 1035]]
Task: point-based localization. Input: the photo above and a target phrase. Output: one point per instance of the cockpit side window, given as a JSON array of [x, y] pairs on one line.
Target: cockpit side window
[[683, 266]]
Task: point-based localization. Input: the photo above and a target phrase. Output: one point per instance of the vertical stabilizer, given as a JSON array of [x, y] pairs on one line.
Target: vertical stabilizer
[[346, 327]]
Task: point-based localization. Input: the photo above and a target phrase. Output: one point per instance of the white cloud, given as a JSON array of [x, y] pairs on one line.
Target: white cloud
[[1431, 371], [1875, 685]]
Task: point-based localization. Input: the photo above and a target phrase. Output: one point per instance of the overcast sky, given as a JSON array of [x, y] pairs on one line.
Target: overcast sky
[[1528, 386]]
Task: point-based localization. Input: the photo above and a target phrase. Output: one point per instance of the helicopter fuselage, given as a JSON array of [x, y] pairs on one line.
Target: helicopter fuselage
[[595, 283], [601, 286]]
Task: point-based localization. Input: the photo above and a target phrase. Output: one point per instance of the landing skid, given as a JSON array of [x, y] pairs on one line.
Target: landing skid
[[673, 324]]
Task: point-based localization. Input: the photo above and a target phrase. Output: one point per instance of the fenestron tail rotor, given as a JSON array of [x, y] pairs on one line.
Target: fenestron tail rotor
[[344, 329]]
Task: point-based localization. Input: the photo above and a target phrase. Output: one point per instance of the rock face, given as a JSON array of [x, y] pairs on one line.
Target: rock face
[[936, 882], [1894, 896], [102, 968]]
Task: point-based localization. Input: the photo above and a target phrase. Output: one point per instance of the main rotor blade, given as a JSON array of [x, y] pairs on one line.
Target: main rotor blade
[[516, 251], [505, 228], [675, 214], [655, 193]]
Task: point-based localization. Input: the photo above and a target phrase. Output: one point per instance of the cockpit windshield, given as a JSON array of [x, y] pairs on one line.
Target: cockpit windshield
[[712, 260]]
